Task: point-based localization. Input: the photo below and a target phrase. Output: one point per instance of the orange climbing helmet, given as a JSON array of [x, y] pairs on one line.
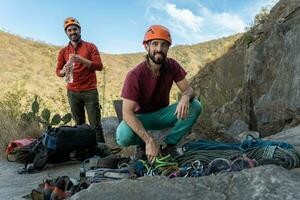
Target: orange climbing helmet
[[71, 21], [157, 32]]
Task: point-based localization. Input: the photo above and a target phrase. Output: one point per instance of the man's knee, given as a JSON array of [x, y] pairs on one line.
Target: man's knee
[[195, 107], [124, 134]]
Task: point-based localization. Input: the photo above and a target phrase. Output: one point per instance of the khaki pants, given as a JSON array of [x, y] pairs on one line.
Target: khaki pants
[[89, 100]]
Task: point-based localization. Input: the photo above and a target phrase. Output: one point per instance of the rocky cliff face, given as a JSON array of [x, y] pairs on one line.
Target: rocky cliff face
[[257, 81]]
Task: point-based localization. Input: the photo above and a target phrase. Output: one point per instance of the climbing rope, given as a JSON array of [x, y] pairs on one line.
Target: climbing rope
[[206, 156], [263, 151], [287, 158], [248, 143]]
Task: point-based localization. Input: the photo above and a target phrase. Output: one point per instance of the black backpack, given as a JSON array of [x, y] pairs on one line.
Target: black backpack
[[56, 144]]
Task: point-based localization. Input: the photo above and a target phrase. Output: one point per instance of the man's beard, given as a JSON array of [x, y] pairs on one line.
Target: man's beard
[[76, 39], [159, 60]]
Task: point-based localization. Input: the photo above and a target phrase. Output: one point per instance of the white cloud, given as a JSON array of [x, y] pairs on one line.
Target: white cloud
[[184, 17], [232, 22], [191, 26], [224, 21]]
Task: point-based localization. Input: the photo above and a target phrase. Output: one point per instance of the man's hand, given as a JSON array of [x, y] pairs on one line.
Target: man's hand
[[75, 58], [79, 59], [151, 149], [66, 69], [182, 109]]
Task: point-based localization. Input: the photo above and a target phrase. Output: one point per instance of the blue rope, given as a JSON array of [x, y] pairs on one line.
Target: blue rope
[[208, 145], [249, 143], [252, 142]]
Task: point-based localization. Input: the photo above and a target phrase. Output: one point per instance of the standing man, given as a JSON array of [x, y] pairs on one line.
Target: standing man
[[82, 59], [146, 99]]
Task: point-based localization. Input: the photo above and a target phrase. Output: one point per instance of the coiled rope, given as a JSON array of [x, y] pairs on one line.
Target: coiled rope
[[263, 151]]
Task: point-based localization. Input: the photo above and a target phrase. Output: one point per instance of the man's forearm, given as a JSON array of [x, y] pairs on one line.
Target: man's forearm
[[91, 64], [135, 124], [86, 62]]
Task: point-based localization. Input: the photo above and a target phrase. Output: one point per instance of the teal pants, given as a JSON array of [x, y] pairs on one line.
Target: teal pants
[[161, 119]]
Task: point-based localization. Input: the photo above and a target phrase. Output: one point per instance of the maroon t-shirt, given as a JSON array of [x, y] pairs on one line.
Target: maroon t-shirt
[[150, 92]]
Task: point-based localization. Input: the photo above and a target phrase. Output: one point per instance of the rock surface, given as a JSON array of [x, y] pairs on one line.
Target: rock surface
[[109, 126], [237, 128], [291, 136], [259, 81], [266, 182]]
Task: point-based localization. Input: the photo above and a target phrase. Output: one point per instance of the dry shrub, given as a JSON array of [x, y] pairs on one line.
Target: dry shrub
[[10, 130]]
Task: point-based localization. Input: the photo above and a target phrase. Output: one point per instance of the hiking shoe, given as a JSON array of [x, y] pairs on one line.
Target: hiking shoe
[[169, 149], [141, 152]]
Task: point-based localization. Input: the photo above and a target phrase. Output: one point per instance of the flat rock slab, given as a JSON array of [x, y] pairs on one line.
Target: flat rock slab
[[14, 186], [266, 182]]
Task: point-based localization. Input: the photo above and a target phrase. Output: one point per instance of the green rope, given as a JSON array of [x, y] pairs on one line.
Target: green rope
[[287, 158], [206, 156]]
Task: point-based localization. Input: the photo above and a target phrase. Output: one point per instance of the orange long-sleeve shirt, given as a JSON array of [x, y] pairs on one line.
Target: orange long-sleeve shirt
[[84, 78]]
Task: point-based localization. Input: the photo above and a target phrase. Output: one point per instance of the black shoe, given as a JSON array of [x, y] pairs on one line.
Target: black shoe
[[169, 149], [140, 152]]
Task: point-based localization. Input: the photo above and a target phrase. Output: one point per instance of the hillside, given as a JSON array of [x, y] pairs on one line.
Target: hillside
[[30, 65]]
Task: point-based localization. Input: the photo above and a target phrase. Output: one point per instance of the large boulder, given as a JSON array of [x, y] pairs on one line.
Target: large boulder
[[109, 126], [237, 128], [266, 182], [291, 136]]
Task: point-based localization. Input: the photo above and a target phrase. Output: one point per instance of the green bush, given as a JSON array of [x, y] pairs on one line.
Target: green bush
[[260, 18], [248, 38]]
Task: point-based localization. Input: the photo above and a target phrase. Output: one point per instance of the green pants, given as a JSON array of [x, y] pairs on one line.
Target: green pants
[[161, 119], [89, 100]]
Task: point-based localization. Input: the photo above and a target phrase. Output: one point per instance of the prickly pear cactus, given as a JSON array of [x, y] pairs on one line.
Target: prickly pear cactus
[[45, 116]]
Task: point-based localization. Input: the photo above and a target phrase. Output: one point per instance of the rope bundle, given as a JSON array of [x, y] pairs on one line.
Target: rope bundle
[[287, 158], [263, 151], [206, 156]]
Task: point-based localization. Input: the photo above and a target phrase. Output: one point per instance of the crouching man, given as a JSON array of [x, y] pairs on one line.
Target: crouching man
[[146, 99]]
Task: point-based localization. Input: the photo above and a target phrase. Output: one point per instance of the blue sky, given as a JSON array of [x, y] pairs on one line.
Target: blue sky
[[118, 26]]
